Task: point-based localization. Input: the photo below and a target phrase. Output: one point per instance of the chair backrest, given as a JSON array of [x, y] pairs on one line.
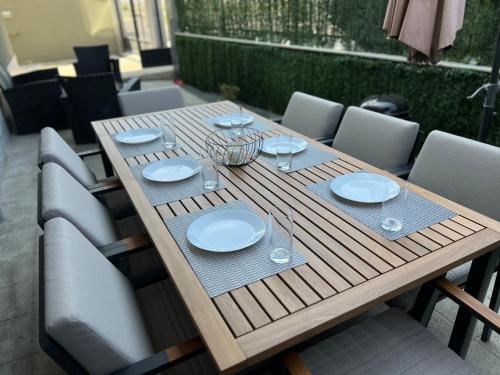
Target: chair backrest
[[145, 101], [63, 196], [92, 59], [91, 98], [460, 169], [312, 116], [55, 149], [35, 105], [37, 75], [383, 141], [90, 307]]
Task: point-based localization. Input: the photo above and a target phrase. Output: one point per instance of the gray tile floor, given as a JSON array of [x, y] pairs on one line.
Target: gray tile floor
[[19, 350]]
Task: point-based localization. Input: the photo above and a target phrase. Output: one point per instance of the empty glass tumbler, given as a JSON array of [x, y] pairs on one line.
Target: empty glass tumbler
[[237, 121], [284, 152], [280, 229], [209, 174], [168, 134], [394, 210]]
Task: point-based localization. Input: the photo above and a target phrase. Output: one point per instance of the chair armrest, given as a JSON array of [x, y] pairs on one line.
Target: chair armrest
[[294, 364], [326, 141], [105, 186], [401, 171], [129, 245], [85, 154], [165, 359], [489, 317], [277, 120], [133, 84]]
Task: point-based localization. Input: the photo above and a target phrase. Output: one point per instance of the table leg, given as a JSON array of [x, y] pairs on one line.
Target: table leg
[[480, 274], [425, 303]]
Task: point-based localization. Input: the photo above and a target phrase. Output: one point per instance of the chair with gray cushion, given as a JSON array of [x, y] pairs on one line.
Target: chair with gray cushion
[[63, 196], [314, 117], [464, 171], [154, 100], [389, 343], [53, 148], [90, 317], [380, 140]]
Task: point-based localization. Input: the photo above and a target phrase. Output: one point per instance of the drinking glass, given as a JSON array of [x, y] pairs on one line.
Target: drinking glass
[[394, 210], [209, 174], [284, 152], [280, 229], [237, 121], [168, 134]]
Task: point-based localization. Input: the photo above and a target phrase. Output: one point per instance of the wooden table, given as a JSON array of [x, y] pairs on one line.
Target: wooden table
[[350, 267]]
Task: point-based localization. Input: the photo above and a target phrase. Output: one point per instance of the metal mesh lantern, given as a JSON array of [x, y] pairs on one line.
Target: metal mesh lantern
[[234, 147]]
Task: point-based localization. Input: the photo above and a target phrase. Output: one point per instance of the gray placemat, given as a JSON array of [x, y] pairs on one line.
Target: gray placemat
[[222, 272], [420, 212], [310, 157], [166, 192], [257, 125], [129, 151]]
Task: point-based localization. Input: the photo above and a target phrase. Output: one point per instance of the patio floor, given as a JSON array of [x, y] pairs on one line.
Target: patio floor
[[19, 350]]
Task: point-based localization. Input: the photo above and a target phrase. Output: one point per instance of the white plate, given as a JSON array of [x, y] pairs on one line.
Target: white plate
[[170, 170], [136, 136], [364, 187], [269, 145], [226, 230], [225, 121]]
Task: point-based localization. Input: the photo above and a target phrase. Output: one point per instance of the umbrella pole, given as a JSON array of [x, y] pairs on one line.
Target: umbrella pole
[[491, 89]]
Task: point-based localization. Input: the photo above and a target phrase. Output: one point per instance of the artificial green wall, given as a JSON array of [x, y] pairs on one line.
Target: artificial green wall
[[268, 76], [352, 24]]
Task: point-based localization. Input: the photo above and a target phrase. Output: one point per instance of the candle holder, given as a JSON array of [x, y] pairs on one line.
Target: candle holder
[[234, 148]]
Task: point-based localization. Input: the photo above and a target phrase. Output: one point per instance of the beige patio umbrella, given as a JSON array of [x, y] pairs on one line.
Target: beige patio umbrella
[[427, 27]]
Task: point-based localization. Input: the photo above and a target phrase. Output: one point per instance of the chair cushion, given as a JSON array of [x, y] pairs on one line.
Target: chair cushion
[[389, 343], [312, 116], [63, 196], [460, 169], [54, 149], [90, 307], [383, 141], [154, 100]]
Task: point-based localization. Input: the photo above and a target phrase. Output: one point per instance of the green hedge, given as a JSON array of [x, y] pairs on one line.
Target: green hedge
[[354, 24], [268, 76]]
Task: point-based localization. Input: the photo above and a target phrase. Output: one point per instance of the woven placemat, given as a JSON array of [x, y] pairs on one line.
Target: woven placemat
[[222, 272], [257, 125], [129, 151], [310, 157], [420, 212], [166, 192]]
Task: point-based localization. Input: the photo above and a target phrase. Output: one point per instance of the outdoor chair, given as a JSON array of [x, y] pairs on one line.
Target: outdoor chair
[[62, 196], [96, 59], [53, 148], [380, 140], [34, 100], [145, 101], [464, 171], [314, 117], [95, 320], [389, 343], [91, 98]]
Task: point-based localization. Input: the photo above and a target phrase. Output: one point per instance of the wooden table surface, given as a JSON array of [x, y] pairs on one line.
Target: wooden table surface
[[350, 267]]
